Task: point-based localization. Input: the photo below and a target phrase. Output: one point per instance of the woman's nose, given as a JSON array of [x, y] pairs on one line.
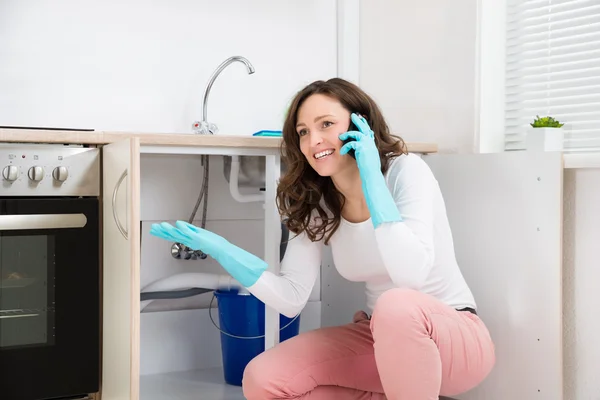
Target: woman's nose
[[315, 138]]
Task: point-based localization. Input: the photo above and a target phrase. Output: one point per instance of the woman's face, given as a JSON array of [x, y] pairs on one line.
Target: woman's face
[[321, 120]]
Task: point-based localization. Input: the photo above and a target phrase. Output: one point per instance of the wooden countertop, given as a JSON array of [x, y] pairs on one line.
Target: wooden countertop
[[157, 139]]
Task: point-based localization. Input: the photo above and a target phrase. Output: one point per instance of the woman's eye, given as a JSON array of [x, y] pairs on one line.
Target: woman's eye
[[302, 132], [326, 124]]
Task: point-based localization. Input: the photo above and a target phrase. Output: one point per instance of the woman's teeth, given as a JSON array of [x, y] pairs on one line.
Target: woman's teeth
[[323, 154]]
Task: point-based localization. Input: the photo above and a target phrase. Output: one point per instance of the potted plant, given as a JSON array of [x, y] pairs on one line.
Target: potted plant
[[545, 134]]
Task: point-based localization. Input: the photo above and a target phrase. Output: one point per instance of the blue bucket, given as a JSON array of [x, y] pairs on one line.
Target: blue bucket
[[243, 316]]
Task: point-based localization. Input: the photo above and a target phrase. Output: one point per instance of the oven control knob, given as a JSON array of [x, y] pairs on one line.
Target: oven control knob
[[10, 173], [36, 173], [60, 174]]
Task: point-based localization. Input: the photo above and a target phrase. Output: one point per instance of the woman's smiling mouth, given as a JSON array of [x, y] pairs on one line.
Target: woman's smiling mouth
[[323, 154]]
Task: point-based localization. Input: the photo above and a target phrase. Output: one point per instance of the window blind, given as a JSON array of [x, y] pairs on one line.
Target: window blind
[[553, 68]]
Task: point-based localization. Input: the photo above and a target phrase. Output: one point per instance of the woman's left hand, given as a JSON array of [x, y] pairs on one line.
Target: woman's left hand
[[363, 144], [377, 195]]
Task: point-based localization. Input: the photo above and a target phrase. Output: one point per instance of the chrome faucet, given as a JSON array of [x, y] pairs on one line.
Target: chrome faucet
[[204, 127]]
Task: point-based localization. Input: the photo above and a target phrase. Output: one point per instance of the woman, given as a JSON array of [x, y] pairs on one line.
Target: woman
[[354, 187]]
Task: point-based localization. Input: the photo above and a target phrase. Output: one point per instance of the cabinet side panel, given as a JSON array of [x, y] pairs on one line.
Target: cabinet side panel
[[505, 211], [134, 236], [117, 275]]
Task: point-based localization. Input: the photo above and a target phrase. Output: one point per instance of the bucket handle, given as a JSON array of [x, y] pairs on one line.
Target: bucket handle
[[239, 337]]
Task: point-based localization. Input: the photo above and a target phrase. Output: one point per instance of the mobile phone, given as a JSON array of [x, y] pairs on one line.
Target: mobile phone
[[352, 127]]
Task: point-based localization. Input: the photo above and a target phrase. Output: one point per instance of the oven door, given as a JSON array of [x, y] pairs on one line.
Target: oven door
[[49, 297]]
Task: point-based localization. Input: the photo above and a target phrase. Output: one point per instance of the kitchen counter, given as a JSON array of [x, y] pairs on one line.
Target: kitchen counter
[[157, 139]]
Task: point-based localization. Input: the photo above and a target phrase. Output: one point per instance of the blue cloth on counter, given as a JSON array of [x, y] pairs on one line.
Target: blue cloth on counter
[[268, 133]]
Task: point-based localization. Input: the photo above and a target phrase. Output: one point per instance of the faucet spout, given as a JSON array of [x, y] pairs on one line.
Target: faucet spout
[[204, 126]]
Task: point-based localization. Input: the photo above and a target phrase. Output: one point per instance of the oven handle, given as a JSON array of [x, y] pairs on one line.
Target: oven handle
[[41, 221], [114, 205]]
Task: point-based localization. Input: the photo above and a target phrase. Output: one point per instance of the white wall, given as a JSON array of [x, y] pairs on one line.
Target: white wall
[[417, 59], [143, 66]]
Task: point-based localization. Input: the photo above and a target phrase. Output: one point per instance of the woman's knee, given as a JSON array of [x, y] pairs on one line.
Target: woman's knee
[[286, 371], [267, 372], [256, 380]]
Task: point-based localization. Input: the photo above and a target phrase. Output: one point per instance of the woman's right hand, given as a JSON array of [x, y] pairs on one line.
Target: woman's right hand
[[193, 237], [245, 267]]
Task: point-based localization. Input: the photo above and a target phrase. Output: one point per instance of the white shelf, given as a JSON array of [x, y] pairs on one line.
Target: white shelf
[[206, 384]]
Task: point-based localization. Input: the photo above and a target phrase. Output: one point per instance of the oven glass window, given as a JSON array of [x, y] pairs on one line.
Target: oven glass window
[[27, 308]]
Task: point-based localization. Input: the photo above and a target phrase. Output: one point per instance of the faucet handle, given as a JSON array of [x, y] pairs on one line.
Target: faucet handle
[[204, 128], [196, 127], [213, 129]]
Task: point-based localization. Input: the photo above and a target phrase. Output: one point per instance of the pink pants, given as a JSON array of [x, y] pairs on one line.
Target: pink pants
[[413, 348]]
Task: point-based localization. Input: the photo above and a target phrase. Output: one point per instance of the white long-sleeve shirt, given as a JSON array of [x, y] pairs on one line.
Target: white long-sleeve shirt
[[416, 253]]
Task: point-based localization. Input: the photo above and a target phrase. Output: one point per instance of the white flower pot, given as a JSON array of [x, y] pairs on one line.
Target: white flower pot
[[545, 139]]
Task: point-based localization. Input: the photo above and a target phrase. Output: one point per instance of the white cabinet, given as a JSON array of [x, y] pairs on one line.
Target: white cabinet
[[506, 211], [121, 248], [506, 214]]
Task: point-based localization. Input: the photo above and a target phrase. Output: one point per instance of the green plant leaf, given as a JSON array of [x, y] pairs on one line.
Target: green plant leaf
[[546, 122]]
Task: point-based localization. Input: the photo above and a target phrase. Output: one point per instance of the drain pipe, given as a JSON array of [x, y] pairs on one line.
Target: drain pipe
[[234, 175], [190, 280]]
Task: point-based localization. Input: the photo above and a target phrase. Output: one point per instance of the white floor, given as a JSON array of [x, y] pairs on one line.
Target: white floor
[[205, 384]]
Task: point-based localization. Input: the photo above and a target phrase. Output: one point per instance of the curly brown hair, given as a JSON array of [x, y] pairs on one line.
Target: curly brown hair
[[301, 189]]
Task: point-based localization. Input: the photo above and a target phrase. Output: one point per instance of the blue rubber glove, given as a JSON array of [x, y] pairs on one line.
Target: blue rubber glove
[[379, 199], [245, 267]]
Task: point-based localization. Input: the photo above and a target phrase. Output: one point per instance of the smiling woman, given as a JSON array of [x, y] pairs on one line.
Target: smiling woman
[[348, 182], [317, 170], [352, 184]]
